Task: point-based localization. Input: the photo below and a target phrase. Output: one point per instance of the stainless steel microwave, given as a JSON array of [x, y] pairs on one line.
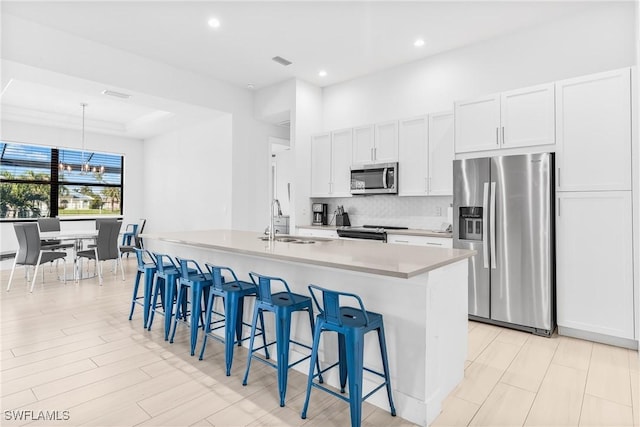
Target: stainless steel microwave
[[380, 178]]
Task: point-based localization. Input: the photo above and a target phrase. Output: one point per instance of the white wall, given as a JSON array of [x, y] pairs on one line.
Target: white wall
[[577, 45], [131, 149], [306, 120], [188, 177]]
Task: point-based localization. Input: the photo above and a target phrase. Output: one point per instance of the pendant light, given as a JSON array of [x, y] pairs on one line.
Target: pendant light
[[84, 168]]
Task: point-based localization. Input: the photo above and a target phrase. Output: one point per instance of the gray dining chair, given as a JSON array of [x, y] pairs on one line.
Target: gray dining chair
[[52, 224], [106, 247], [31, 253]]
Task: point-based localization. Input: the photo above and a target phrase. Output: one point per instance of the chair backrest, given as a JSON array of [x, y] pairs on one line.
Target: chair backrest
[[107, 242], [264, 286], [28, 243], [100, 221], [162, 260], [216, 275], [330, 308], [49, 224], [137, 240], [140, 256], [187, 268]]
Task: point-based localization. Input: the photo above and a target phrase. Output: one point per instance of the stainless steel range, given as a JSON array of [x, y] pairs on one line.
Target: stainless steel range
[[368, 232]]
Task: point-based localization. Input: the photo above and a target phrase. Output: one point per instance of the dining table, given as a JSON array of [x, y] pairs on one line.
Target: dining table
[[78, 237]]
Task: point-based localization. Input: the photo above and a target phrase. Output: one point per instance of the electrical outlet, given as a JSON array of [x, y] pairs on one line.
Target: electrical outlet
[[438, 211]]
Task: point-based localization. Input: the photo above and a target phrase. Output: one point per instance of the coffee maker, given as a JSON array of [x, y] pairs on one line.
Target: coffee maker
[[319, 212]]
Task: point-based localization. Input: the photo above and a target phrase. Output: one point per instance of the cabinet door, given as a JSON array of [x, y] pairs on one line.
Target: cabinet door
[[385, 148], [594, 132], [405, 239], [412, 157], [595, 263], [528, 116], [363, 138], [440, 153], [320, 165], [477, 124], [341, 163]]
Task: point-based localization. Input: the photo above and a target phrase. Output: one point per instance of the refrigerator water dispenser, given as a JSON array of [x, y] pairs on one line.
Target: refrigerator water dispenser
[[470, 223]]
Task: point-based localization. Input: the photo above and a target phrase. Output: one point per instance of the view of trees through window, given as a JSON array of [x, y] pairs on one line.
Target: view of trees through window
[[40, 181]]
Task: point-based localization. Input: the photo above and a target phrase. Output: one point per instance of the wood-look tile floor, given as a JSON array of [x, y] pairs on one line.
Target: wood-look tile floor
[[70, 348]]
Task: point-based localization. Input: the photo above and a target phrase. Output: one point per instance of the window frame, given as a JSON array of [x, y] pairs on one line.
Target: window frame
[[54, 184]]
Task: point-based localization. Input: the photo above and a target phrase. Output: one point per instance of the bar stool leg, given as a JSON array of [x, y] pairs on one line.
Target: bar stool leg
[[342, 361], [385, 365], [232, 310], [179, 304], [169, 293], [136, 283], [207, 323], [354, 370], [312, 364], [256, 311], [283, 333]]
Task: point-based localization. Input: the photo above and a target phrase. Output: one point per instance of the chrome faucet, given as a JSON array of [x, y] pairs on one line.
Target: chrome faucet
[[272, 233]]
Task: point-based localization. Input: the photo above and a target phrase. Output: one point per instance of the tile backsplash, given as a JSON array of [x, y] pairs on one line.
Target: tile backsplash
[[414, 212]]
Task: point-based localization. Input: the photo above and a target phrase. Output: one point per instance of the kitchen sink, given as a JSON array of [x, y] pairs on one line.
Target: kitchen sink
[[301, 240]]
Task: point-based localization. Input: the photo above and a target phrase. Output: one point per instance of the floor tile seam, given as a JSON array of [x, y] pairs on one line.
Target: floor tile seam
[[584, 390], [69, 376], [76, 388], [48, 382], [59, 344], [540, 385], [57, 356]]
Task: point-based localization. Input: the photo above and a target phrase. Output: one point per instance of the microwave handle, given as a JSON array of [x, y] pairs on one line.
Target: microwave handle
[[384, 178]]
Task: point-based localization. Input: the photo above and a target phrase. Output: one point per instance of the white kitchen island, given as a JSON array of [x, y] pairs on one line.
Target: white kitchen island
[[421, 291]]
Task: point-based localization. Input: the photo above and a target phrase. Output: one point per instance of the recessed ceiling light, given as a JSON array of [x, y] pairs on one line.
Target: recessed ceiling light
[[322, 73], [116, 94], [418, 43], [214, 22], [250, 86]]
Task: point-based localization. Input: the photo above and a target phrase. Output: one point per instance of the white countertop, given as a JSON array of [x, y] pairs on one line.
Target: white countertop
[[364, 256], [406, 232]]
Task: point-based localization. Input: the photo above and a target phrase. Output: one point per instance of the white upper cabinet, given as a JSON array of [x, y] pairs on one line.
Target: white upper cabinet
[[385, 149], [412, 157], [518, 118], [375, 143], [331, 163], [341, 163], [527, 117], [441, 156], [425, 155], [594, 132], [477, 124], [363, 141], [321, 165]]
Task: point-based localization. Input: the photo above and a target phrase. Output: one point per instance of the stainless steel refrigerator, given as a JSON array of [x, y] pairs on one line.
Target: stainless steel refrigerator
[[504, 209]]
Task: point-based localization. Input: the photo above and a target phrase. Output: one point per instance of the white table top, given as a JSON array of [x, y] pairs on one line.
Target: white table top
[[401, 261]]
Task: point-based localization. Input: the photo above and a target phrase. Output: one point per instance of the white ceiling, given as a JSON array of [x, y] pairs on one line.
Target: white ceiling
[[347, 39]]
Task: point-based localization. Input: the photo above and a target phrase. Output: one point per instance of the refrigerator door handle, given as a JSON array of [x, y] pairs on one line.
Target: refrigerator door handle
[[492, 224], [485, 207]]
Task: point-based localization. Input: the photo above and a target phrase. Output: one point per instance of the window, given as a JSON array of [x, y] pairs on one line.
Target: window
[[41, 181]]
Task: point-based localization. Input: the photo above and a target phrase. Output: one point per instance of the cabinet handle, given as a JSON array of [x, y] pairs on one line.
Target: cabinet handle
[[371, 153], [503, 142], [558, 206], [558, 176], [375, 153], [429, 187], [434, 244], [497, 136], [400, 241]]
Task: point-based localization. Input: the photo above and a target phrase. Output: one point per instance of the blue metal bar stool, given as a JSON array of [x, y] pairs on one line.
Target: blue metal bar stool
[[233, 293], [351, 324], [282, 304], [146, 266], [199, 283], [164, 285]]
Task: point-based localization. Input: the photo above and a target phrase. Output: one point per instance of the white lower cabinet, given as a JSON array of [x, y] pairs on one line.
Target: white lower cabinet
[[594, 263], [403, 239], [317, 232]]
